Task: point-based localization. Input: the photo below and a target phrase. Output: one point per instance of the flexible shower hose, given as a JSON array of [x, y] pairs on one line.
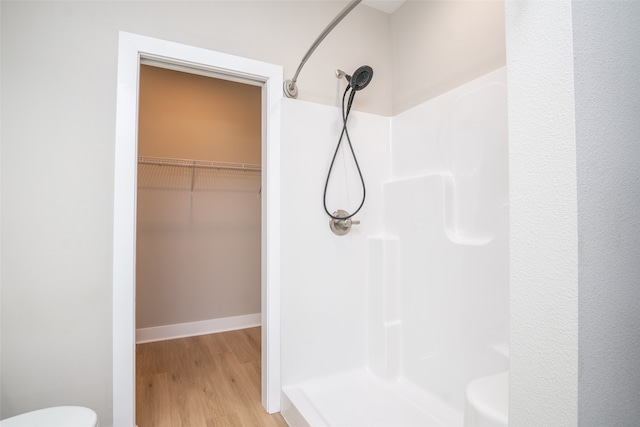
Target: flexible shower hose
[[345, 132]]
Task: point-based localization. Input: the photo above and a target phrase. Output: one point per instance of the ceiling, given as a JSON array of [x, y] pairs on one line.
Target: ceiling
[[388, 6]]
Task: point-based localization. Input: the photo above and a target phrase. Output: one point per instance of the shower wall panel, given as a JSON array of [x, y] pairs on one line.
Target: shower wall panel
[[324, 275], [446, 214], [417, 294]]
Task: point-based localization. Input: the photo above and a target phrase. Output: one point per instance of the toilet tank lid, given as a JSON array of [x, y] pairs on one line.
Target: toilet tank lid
[[59, 416]]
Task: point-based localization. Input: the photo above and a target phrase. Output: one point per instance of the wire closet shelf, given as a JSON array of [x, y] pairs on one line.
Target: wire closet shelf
[[205, 164], [197, 175]]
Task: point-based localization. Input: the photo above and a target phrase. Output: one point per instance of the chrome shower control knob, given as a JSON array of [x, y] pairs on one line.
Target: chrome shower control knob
[[340, 227]]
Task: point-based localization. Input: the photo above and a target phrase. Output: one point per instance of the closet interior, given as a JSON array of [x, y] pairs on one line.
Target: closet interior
[[198, 242]]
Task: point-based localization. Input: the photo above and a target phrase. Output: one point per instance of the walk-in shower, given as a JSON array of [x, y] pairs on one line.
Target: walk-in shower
[[403, 323]]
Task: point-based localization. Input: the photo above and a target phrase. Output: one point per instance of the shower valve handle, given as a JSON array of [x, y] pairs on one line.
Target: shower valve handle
[[340, 227], [347, 222]]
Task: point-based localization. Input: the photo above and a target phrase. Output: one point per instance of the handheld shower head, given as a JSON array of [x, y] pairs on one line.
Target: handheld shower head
[[360, 78]]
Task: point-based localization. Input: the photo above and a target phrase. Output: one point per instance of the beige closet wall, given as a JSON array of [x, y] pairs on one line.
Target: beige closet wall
[[198, 253], [184, 115]]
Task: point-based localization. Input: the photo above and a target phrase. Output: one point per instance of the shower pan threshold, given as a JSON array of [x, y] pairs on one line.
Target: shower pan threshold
[[361, 399]]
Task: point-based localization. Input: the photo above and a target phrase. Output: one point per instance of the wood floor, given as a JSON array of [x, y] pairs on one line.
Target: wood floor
[[206, 381]]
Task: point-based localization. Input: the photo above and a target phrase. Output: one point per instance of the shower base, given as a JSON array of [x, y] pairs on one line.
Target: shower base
[[361, 399]]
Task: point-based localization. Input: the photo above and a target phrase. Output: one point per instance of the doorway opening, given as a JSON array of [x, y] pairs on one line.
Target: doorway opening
[[198, 205], [197, 244], [132, 50]]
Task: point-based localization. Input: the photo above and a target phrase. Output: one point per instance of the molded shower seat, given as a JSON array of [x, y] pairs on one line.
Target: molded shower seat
[[487, 401]]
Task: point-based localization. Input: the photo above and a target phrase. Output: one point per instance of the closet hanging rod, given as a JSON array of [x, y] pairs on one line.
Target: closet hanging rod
[[290, 89], [205, 164]]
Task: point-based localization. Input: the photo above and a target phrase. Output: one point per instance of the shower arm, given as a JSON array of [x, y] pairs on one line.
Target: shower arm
[[290, 88]]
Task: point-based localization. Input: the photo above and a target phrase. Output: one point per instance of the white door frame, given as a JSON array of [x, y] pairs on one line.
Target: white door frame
[[132, 48]]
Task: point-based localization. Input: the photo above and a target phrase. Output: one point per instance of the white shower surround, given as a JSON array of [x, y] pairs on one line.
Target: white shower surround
[[413, 304]]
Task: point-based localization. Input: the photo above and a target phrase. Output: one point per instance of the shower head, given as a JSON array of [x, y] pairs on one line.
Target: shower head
[[360, 78]]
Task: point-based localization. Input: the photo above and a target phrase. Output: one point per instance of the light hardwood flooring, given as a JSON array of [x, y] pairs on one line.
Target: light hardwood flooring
[[206, 381]]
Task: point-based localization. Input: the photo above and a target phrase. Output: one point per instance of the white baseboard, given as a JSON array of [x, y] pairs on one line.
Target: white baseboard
[[192, 329]]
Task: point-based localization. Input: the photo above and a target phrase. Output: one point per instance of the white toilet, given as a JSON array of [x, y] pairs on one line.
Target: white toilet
[[59, 416]]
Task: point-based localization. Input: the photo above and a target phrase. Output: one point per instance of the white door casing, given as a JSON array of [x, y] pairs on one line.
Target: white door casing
[[131, 50]]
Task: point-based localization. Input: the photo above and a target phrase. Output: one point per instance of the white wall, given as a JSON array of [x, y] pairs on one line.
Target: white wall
[[606, 37], [574, 199], [543, 215]]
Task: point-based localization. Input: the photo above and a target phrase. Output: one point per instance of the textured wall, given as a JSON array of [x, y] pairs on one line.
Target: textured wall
[[607, 65], [543, 215]]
